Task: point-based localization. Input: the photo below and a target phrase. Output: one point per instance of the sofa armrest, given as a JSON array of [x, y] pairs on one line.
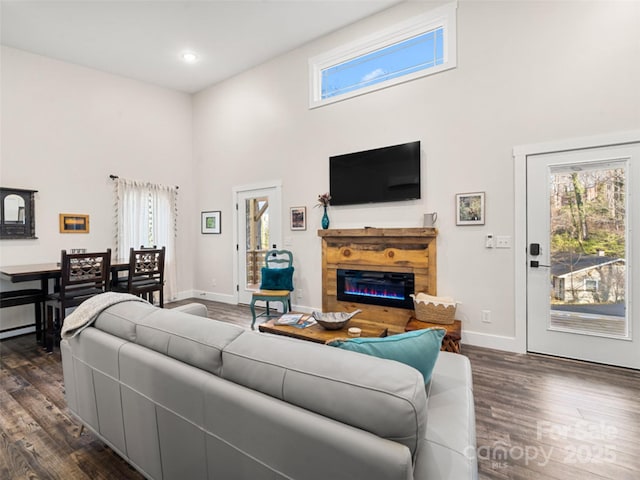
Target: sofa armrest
[[194, 309], [448, 450]]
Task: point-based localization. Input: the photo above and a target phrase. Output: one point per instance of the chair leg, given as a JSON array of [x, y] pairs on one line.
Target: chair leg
[[161, 295], [62, 313], [285, 306], [39, 306], [58, 318], [48, 329], [253, 313]]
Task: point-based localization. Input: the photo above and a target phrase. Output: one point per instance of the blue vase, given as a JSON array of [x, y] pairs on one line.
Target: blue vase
[[325, 219]]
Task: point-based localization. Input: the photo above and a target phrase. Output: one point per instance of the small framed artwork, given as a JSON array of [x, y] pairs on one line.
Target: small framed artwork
[[74, 223], [470, 208], [298, 218], [211, 222]]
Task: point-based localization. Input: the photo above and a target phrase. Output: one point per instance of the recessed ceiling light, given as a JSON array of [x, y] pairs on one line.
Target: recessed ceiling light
[[190, 57]]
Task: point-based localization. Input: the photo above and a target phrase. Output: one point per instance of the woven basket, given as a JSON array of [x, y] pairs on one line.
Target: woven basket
[[432, 313]]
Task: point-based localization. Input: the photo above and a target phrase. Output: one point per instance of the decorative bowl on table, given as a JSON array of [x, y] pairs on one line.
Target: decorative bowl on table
[[334, 320]]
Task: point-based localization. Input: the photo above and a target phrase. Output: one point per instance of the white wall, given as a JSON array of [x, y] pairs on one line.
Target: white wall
[[64, 129], [527, 72]]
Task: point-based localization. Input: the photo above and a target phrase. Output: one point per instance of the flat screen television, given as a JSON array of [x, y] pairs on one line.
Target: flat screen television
[[387, 174]]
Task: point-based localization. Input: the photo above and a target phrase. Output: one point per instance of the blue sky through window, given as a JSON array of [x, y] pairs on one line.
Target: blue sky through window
[[403, 58]]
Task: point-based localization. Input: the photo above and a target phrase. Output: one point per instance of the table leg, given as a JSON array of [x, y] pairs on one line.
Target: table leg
[[42, 312]]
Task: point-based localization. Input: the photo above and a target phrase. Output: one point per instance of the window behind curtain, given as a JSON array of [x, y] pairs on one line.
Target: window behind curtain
[[146, 214]]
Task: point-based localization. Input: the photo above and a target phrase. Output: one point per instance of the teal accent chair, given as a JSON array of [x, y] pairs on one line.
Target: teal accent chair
[[276, 284]]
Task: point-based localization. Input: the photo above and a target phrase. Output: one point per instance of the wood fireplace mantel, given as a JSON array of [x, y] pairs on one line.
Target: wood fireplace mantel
[[379, 232], [387, 249]]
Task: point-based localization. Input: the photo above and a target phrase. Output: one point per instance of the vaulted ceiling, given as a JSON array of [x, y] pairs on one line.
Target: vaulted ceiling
[[145, 40]]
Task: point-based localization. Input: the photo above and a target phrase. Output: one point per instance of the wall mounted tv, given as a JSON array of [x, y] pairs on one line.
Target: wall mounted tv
[[387, 174]]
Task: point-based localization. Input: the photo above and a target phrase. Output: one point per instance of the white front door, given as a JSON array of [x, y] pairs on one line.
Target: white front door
[[583, 236], [259, 223]]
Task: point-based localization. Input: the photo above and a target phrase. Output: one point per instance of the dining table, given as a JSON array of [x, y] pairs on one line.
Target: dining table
[[44, 272]]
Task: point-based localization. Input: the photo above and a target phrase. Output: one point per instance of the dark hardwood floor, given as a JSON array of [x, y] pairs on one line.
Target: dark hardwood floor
[[537, 417]]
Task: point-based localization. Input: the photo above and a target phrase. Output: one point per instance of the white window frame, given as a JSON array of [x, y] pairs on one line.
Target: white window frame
[[596, 283], [443, 16]]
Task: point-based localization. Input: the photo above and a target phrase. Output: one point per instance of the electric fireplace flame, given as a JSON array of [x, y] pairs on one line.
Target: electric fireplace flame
[[373, 292], [391, 289]]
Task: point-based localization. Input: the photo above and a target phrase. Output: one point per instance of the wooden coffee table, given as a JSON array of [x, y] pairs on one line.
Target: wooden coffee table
[[318, 334]]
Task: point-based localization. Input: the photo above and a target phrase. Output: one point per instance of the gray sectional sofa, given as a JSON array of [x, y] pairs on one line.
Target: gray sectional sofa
[[180, 396]]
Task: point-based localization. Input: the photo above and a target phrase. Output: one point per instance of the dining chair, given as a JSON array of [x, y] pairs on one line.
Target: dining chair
[[27, 296], [82, 276], [146, 274], [276, 283]]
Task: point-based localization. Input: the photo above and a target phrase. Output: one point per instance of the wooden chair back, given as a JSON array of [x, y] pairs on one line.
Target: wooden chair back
[[278, 259], [146, 272], [84, 274]]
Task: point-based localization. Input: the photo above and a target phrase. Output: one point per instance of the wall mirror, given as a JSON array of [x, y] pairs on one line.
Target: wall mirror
[[17, 213]]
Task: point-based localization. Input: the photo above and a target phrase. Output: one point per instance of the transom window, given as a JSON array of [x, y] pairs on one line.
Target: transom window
[[418, 47]]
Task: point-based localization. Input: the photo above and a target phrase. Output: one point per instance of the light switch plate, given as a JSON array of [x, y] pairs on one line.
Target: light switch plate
[[503, 241], [488, 240]]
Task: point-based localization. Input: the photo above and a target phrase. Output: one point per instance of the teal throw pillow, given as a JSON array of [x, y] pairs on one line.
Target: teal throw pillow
[[277, 279], [418, 349]]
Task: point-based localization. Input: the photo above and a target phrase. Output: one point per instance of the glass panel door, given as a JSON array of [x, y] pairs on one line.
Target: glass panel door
[[582, 234], [259, 229], [588, 273], [256, 238]]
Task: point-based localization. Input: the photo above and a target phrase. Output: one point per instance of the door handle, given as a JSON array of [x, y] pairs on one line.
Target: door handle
[[536, 264]]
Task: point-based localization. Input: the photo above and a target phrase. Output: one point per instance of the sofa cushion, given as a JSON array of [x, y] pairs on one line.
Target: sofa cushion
[[121, 319], [385, 398], [189, 338], [193, 340], [418, 349]]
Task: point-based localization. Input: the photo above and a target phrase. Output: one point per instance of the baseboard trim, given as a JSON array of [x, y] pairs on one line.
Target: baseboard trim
[[16, 332], [214, 297], [496, 342]]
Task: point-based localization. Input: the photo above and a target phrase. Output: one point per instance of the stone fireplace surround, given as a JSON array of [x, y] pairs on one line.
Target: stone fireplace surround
[[372, 249]]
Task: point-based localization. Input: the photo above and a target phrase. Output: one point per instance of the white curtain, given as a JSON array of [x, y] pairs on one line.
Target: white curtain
[[146, 214], [164, 230]]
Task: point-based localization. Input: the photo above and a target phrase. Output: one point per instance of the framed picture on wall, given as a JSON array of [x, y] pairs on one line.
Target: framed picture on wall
[[74, 223], [298, 218], [470, 208], [210, 222]]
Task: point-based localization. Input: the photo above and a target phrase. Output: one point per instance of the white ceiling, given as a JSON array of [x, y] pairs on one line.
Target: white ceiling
[[144, 39]]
